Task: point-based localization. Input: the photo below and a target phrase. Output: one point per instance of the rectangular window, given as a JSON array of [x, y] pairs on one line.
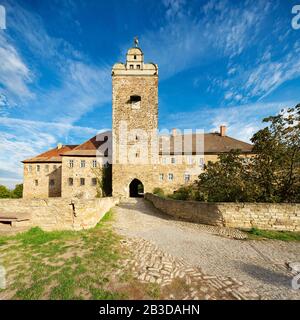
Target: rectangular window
[[94, 181], [30, 168], [51, 183], [190, 160], [94, 163], [46, 168], [82, 164], [173, 160], [71, 182], [131, 66], [71, 164], [38, 168], [187, 178], [161, 176], [164, 160], [138, 66], [170, 176], [36, 182], [82, 181], [201, 163]]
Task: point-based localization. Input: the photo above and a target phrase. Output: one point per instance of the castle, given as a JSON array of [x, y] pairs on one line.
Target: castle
[[141, 159]]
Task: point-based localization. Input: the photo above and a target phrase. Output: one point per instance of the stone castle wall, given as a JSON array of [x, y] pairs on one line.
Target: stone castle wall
[[58, 213], [265, 216], [37, 183], [88, 173]]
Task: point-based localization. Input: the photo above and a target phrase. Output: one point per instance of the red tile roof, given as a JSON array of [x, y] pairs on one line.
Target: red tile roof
[[90, 147], [213, 144], [53, 155]]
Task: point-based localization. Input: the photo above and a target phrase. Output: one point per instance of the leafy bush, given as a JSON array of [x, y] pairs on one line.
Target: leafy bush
[[159, 192], [189, 192]]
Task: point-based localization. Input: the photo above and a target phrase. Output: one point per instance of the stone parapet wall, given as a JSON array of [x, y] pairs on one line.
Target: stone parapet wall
[[58, 213], [266, 216]]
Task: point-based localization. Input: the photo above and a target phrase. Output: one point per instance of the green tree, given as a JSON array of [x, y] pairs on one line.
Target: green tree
[[227, 180], [272, 174], [4, 192], [18, 191], [277, 162], [104, 180]]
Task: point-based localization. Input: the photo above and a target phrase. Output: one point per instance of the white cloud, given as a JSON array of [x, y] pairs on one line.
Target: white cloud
[[15, 75], [16, 146], [219, 29], [78, 84], [78, 87]]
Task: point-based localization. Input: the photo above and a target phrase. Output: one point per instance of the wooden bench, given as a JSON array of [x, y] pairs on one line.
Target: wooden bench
[[14, 218]]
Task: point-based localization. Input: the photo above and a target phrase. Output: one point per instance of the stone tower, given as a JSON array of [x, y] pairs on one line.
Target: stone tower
[[134, 121]]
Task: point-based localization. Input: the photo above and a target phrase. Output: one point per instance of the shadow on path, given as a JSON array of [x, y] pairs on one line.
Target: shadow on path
[[267, 276]]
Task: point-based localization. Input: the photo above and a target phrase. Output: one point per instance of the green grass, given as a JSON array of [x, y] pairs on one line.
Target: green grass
[[64, 265], [255, 233]]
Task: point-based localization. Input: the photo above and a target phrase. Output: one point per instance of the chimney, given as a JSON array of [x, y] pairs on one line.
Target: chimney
[[174, 132], [59, 146], [223, 131]]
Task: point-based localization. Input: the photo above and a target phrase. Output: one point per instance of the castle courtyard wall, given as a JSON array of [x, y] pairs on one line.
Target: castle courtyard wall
[[56, 213], [265, 216]]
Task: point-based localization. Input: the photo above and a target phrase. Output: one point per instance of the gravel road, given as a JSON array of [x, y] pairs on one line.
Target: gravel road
[[260, 265]]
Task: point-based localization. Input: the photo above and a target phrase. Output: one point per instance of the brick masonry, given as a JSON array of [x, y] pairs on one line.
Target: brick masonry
[[266, 216]]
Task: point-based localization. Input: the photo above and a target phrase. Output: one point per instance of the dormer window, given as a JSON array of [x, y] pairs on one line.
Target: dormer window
[[135, 101]]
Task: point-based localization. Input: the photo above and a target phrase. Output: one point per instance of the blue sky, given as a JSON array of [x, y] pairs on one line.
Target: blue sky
[[220, 62]]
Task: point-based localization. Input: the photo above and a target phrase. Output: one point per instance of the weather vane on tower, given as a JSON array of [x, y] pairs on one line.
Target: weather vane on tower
[[136, 41]]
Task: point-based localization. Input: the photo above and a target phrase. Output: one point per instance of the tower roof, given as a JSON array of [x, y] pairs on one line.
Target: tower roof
[[135, 64], [137, 51]]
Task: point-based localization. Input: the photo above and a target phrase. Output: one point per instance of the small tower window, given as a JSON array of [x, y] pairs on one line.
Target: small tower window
[[131, 66], [138, 66], [71, 182], [135, 101], [82, 181], [134, 57]]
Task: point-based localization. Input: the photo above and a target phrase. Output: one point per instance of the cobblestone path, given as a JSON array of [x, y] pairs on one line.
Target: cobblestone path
[[209, 261]]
